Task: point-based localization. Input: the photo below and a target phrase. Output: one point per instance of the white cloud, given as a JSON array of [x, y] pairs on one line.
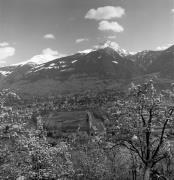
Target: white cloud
[[105, 13], [160, 48], [81, 40], [111, 44], [110, 26], [50, 52], [6, 52], [172, 10], [3, 44], [49, 36], [111, 37], [47, 55]]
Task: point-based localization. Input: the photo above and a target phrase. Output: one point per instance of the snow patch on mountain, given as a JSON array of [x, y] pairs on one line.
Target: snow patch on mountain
[[74, 61], [5, 73], [86, 51], [99, 57], [115, 62], [52, 64], [43, 68], [62, 62], [63, 66], [67, 70]]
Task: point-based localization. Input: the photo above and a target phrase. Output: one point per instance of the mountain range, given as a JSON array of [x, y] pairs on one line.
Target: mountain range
[[103, 67]]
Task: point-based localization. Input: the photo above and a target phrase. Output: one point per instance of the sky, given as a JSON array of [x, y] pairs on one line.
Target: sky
[[39, 30]]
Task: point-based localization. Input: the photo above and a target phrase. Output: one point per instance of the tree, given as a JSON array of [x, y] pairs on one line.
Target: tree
[[26, 153], [142, 124]]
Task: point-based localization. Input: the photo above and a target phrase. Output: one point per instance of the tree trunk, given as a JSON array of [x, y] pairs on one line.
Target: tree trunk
[[146, 173], [134, 175]]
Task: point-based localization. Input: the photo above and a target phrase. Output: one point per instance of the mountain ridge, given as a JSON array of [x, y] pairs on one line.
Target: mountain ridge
[[102, 67]]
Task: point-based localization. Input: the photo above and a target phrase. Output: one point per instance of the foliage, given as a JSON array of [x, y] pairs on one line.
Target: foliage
[[137, 141], [142, 124], [27, 153], [95, 160]]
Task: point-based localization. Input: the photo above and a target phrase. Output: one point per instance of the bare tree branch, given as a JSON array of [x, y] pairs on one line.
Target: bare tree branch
[[161, 139], [158, 159]]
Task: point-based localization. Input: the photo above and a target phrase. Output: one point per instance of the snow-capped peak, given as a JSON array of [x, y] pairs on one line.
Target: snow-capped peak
[[109, 44], [115, 46]]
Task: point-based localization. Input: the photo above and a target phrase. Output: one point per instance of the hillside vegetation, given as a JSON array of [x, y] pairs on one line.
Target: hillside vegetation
[[137, 143]]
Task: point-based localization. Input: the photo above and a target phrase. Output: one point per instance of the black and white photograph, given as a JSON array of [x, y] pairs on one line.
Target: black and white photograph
[[86, 89]]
